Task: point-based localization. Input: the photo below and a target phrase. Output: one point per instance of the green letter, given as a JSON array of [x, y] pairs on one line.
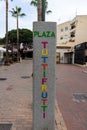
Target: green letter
[[44, 34], [36, 33], [48, 33], [52, 34]]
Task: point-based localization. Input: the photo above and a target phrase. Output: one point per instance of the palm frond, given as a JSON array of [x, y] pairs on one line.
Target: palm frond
[[34, 3], [49, 11], [23, 14], [17, 12]]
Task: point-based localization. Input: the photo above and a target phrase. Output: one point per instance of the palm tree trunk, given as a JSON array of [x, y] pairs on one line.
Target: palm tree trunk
[[43, 10], [6, 31], [39, 8], [18, 45]]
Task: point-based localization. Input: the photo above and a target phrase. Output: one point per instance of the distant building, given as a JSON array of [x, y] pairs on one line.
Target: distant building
[[80, 54], [71, 33]]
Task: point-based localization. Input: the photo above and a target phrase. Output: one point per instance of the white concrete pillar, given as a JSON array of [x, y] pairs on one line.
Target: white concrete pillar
[[44, 56]]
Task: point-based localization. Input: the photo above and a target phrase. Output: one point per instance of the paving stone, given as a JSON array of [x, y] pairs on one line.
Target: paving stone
[[16, 103]]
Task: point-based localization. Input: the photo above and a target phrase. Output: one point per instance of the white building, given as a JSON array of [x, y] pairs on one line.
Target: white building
[[70, 34]]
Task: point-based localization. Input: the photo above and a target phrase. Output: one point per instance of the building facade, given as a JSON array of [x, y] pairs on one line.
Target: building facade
[[70, 34], [80, 54]]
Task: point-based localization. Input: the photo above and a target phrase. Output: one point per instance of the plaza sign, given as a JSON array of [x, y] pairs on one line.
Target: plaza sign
[[44, 34], [44, 39]]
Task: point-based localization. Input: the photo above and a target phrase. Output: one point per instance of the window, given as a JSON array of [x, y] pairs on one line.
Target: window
[[66, 36], [73, 25], [66, 28], [61, 29], [61, 38], [72, 34]]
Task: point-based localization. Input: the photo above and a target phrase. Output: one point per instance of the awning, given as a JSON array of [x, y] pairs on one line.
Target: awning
[[4, 49]]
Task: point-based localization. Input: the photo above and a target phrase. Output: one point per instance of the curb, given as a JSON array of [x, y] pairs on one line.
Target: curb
[[59, 121]]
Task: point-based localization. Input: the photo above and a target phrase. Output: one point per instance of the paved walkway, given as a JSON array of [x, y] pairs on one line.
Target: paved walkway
[[72, 95], [16, 97]]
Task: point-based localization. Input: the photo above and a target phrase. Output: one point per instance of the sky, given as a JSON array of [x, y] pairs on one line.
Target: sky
[[62, 11]]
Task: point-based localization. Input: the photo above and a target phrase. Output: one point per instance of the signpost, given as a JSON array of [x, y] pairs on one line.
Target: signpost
[[44, 36]]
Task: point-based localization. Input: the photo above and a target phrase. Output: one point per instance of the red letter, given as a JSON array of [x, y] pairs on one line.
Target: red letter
[[44, 101], [44, 80], [44, 43]]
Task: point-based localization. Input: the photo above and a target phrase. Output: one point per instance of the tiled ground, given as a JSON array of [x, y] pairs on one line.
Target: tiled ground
[[16, 97], [72, 95]]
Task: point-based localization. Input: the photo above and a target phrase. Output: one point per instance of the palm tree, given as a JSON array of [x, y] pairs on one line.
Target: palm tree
[[17, 13], [39, 10], [38, 4], [7, 31]]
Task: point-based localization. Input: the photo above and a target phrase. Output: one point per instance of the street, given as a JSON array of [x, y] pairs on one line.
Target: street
[[71, 94]]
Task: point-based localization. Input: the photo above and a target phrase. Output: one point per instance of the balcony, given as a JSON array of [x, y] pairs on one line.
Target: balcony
[[73, 26], [72, 34], [72, 39]]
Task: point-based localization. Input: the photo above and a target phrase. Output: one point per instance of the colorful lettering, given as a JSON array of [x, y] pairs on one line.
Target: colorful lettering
[[44, 80], [44, 87], [44, 108], [44, 74], [44, 58], [44, 114], [44, 52], [44, 95], [44, 101], [44, 34], [44, 44], [44, 66]]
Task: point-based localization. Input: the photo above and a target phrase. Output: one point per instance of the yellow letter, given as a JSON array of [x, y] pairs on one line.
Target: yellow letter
[[44, 52], [44, 87]]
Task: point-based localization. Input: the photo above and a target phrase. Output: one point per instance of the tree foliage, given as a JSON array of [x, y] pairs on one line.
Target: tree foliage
[[2, 41], [17, 12], [35, 4], [25, 36]]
